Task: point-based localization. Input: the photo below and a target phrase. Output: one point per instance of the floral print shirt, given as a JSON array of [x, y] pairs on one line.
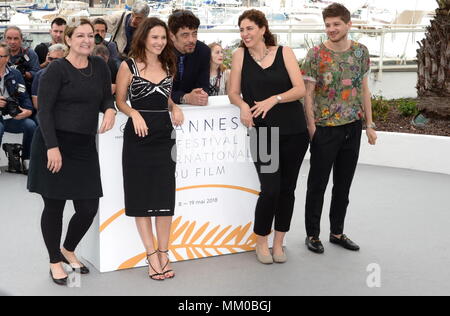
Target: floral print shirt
[[338, 77]]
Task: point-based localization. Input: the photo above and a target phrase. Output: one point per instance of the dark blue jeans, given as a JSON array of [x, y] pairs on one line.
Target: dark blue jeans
[[25, 127]]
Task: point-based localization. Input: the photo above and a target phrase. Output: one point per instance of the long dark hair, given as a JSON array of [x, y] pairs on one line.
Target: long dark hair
[[259, 18], [139, 43]]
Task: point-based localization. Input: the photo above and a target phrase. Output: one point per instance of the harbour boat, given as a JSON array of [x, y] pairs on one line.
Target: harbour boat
[[4, 14]]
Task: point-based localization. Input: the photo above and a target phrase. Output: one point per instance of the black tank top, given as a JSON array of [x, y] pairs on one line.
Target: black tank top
[[258, 84]]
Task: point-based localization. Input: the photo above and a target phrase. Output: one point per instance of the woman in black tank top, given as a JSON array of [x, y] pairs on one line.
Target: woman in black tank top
[[269, 78]]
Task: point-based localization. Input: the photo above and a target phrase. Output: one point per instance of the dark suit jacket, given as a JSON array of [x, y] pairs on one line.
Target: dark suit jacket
[[196, 72]]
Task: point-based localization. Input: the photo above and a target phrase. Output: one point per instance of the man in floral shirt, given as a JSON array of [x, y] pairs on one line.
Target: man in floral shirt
[[336, 102]]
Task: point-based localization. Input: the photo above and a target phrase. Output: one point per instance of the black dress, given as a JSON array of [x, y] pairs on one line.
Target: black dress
[[148, 165], [70, 100]]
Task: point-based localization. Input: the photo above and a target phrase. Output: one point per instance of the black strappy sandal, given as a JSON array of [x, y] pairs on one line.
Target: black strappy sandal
[[166, 252], [153, 276]]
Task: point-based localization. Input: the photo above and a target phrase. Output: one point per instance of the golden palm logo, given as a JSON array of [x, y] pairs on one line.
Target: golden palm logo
[[187, 236], [216, 241]]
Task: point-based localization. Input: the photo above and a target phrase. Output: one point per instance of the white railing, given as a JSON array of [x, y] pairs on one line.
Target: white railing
[[289, 30], [376, 30]]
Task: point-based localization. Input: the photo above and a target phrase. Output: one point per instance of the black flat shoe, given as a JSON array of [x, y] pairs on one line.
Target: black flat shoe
[[314, 245], [62, 282], [344, 242], [83, 269]]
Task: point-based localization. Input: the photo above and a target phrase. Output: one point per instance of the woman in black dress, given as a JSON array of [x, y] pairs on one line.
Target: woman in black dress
[[269, 78], [64, 160], [149, 156]]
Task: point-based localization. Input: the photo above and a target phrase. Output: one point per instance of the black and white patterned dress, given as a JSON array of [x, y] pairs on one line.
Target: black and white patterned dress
[[148, 166]]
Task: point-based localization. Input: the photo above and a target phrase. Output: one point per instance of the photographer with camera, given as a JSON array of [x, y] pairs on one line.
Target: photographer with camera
[[123, 25], [15, 105], [100, 30], [25, 60]]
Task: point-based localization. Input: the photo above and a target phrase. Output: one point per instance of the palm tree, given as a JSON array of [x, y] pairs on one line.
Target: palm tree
[[434, 64]]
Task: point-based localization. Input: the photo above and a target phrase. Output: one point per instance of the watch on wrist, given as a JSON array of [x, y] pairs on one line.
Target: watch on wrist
[[371, 125], [279, 98]]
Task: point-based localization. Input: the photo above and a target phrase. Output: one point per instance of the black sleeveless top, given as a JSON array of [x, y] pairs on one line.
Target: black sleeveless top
[[258, 84]]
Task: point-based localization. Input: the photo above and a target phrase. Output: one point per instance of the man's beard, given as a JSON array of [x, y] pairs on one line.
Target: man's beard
[[189, 50]]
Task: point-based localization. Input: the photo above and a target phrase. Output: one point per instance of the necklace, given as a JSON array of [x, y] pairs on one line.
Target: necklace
[[90, 72], [259, 61], [81, 70]]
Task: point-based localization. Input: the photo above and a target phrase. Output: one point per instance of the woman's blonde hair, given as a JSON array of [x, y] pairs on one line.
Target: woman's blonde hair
[[222, 67], [71, 27]]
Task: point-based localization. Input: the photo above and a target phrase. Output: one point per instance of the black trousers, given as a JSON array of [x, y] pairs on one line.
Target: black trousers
[[334, 148], [52, 225], [277, 197]]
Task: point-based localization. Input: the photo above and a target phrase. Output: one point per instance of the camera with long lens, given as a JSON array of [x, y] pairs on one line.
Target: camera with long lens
[[11, 108], [98, 39]]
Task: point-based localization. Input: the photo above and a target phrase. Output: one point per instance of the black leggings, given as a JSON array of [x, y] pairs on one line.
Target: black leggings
[[52, 224], [277, 198]]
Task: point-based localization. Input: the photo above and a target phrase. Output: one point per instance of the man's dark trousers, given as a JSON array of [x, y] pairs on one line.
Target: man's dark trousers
[[334, 148]]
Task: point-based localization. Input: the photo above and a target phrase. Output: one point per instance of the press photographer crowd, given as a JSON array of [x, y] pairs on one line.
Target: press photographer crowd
[[200, 69], [20, 73]]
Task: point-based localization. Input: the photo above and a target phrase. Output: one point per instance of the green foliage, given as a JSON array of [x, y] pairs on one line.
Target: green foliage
[[407, 107], [380, 108], [227, 56], [228, 53]]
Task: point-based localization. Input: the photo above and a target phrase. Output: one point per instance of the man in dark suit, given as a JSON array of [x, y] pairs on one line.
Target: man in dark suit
[[193, 58]]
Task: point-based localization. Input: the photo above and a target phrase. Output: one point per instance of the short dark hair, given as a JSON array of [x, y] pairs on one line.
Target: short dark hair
[[337, 10], [59, 22], [183, 18], [101, 21]]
